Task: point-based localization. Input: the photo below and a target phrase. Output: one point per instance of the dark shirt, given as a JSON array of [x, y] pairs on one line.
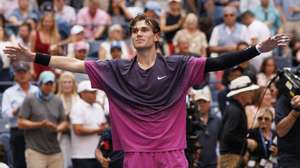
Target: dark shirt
[[289, 145], [171, 20], [208, 140], [234, 129]]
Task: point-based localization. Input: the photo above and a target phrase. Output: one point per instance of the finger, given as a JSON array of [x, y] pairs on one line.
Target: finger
[[21, 46]]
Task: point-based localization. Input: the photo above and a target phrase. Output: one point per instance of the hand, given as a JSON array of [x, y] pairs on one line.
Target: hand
[[51, 125], [278, 40], [19, 53], [104, 162], [102, 127], [295, 102], [274, 150]]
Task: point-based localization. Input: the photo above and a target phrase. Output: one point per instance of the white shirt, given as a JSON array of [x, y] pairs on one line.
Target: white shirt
[[83, 147], [68, 14], [5, 59], [106, 45], [13, 98]]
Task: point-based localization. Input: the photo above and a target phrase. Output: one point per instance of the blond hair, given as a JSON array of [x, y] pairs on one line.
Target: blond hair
[[54, 35]]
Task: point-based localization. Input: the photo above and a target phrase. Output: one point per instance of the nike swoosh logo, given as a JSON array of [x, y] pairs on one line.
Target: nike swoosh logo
[[161, 77]]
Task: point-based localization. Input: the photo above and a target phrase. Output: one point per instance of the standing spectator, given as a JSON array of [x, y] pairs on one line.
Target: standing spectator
[[268, 71], [64, 12], [88, 122], [119, 13], [24, 34], [67, 92], [267, 13], [197, 39], [42, 117], [23, 14], [209, 137], [41, 40], [170, 22], [258, 32], [94, 20], [115, 33], [12, 100], [233, 140]]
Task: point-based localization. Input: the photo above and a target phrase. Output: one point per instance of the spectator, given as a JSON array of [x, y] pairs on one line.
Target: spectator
[[23, 14], [68, 94], [12, 100], [268, 71], [81, 50], [115, 33], [267, 13], [246, 5], [94, 20], [24, 34], [152, 9], [42, 117], [41, 39], [183, 46], [119, 13], [258, 32], [170, 22], [264, 137], [197, 39], [233, 140], [88, 122], [209, 137], [116, 50], [64, 12]]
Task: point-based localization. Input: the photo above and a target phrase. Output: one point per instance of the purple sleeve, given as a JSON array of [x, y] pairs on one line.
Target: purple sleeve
[[196, 67], [96, 72]]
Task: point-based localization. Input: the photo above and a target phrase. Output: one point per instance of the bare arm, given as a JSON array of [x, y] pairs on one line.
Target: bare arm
[[285, 125], [28, 124], [168, 28], [82, 130]]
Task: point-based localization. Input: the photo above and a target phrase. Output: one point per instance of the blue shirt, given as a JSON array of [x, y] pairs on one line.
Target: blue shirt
[[17, 13], [286, 4]]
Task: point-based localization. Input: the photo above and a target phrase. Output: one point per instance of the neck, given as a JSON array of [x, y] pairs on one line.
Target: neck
[[146, 57], [24, 86], [266, 132], [67, 95]]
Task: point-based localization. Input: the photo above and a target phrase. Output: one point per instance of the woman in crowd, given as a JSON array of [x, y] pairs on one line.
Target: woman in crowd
[[267, 71], [119, 13], [265, 139], [41, 40], [197, 39], [67, 91]]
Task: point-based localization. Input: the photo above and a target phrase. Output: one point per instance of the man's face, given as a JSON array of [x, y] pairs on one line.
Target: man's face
[[248, 97], [22, 76], [89, 96], [229, 18], [143, 36], [47, 88], [24, 32], [116, 53], [81, 54], [203, 106], [23, 4]]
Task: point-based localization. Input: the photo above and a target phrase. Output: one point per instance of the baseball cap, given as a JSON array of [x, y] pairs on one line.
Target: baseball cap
[[85, 86], [76, 29], [202, 94], [179, 1], [153, 6], [21, 66], [81, 45], [46, 76], [115, 45]]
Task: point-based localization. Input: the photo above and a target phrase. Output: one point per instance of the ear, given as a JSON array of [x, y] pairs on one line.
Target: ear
[[156, 37]]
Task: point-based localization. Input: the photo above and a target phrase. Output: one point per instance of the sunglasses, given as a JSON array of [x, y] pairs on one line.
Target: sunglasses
[[229, 15], [264, 118]]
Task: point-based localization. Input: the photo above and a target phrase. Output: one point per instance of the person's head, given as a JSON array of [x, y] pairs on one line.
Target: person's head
[[268, 66], [59, 3], [67, 84], [231, 74], [183, 44], [265, 3], [81, 50], [24, 30], [248, 17], [229, 15], [242, 46], [265, 118], [78, 32], [145, 32], [93, 6], [203, 98], [115, 50], [175, 5], [243, 90], [47, 82], [152, 9], [48, 24], [23, 4], [86, 92], [22, 72], [191, 22], [115, 32]]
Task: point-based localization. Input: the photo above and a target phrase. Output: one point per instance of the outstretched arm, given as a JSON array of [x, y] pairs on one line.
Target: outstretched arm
[[231, 59], [60, 62]]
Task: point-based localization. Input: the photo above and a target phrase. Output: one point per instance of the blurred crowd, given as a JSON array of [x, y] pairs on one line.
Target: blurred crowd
[[71, 133]]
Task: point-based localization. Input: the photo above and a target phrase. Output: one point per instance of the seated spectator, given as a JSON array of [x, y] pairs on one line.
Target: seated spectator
[[170, 22], [197, 39], [23, 14], [152, 9], [119, 13], [115, 33], [268, 71], [94, 20], [24, 33], [183, 46], [116, 50], [88, 122], [64, 12]]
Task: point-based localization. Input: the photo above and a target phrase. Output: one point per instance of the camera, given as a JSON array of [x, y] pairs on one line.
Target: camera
[[289, 82]]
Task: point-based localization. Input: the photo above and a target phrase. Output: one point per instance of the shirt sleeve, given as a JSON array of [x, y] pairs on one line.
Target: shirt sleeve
[[6, 106], [61, 110], [214, 37], [26, 108], [196, 67], [96, 71]]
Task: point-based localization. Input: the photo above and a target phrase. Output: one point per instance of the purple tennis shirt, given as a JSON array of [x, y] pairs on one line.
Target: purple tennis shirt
[[147, 107]]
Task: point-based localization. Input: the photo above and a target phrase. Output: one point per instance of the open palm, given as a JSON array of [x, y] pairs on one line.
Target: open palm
[[19, 53], [278, 40]]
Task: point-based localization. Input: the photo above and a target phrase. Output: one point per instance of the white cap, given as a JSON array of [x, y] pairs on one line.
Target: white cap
[[85, 86], [76, 29], [179, 1], [202, 94]]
